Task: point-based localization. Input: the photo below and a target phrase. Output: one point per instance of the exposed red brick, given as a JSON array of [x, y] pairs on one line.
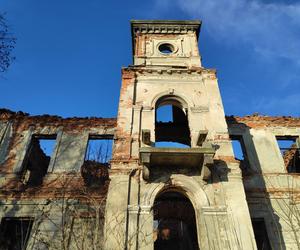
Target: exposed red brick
[[55, 186], [228, 159], [289, 156], [24, 120], [259, 121]]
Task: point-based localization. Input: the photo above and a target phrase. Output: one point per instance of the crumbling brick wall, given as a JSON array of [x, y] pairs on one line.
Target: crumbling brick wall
[[62, 194]]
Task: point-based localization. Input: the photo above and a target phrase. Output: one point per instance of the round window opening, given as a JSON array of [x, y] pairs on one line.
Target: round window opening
[[166, 48]]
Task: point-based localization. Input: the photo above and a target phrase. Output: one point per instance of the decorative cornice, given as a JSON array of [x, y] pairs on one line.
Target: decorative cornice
[[170, 70], [165, 26], [155, 74]]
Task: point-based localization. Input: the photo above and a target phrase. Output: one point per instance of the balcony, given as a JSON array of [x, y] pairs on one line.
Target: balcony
[[198, 158]]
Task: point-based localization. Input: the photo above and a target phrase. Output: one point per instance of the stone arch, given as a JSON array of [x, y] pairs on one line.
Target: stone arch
[[190, 189], [183, 183], [186, 102]]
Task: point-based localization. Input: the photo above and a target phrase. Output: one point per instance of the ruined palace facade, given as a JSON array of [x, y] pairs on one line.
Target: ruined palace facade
[[179, 181]]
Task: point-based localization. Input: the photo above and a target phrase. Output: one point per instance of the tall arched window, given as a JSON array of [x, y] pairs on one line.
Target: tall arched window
[[171, 123]]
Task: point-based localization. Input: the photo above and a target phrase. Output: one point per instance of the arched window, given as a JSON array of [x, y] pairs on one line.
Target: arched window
[[171, 123], [174, 222]]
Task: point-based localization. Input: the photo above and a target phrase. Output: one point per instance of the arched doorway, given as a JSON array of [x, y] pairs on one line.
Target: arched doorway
[[174, 222]]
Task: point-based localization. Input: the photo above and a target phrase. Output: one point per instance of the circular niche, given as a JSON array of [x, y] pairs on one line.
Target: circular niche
[[166, 48]]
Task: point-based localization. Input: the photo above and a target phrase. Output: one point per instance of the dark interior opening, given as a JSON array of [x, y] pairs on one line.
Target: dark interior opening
[[166, 48], [290, 153], [171, 125], [14, 233], [174, 222], [260, 233], [37, 159]]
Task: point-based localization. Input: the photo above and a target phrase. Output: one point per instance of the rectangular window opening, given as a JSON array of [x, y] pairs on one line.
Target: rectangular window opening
[[99, 149], [260, 233], [15, 232], [239, 151], [97, 160], [37, 159], [290, 152]]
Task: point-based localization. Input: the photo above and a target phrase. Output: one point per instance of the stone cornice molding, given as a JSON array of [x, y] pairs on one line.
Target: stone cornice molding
[[170, 71], [165, 26]]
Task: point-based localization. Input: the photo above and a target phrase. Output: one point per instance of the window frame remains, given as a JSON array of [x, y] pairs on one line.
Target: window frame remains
[[284, 152], [7, 222], [245, 163], [99, 137], [25, 173]]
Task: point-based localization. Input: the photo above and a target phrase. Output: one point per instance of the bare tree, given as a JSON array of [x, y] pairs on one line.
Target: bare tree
[[287, 207]]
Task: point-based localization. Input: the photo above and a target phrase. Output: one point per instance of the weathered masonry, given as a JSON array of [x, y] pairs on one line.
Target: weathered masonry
[[170, 172]]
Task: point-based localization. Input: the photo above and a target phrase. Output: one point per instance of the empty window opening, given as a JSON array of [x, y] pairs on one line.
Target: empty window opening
[[37, 159], [15, 232], [174, 224], [290, 152], [171, 125], [98, 154], [260, 233], [239, 150], [99, 149]]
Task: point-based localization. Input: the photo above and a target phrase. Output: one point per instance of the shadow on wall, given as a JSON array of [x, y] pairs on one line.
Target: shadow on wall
[[265, 221]]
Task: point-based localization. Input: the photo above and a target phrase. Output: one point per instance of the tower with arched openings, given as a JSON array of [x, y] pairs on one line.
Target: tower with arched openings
[[173, 172]]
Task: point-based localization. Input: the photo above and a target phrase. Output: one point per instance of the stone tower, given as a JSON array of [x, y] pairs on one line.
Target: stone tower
[[194, 190]]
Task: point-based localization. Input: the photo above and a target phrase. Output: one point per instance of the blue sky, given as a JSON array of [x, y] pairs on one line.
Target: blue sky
[[69, 53]]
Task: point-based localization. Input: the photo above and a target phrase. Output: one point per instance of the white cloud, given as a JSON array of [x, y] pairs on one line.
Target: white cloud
[[270, 29]]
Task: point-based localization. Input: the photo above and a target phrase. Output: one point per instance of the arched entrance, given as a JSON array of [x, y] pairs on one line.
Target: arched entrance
[[174, 222]]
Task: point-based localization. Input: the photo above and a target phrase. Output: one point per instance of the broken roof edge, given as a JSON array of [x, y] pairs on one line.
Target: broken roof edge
[[7, 114], [261, 116], [254, 120], [261, 121]]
